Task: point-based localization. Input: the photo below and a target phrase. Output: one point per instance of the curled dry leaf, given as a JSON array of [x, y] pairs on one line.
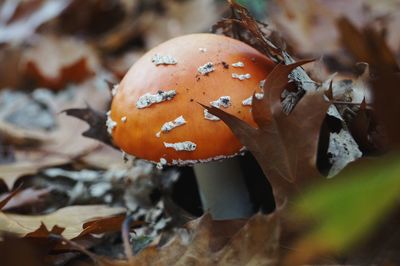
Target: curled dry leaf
[[71, 218], [285, 146], [53, 61]]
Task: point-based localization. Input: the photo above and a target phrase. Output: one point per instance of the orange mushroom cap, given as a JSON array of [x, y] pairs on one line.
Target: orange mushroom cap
[[166, 84]]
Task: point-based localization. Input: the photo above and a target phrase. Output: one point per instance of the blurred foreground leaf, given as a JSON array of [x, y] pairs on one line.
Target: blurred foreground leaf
[[349, 207], [207, 242]]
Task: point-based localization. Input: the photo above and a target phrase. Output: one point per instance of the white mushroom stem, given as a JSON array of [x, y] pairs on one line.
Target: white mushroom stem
[[223, 190]]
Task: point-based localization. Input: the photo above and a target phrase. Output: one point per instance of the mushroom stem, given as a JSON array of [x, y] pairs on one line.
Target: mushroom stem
[[223, 190]]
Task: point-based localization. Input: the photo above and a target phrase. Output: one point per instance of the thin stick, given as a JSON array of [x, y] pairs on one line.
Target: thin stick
[[126, 225]]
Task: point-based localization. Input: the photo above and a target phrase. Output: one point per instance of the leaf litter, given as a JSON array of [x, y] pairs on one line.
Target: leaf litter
[[58, 147], [49, 159]]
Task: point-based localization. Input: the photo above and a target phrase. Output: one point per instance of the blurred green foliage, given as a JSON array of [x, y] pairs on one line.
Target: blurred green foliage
[[348, 207], [256, 7]]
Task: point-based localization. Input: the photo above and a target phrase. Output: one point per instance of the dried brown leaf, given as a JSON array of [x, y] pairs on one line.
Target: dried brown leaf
[[54, 62], [26, 198], [96, 121], [87, 18], [364, 129], [43, 232], [107, 224], [367, 46], [10, 172], [105, 157], [5, 200], [261, 236], [64, 143], [370, 46], [9, 67], [71, 218], [242, 26], [285, 146], [16, 136], [242, 22], [387, 103], [16, 251]]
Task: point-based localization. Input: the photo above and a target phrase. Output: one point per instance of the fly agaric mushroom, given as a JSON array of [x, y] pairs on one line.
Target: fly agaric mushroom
[[155, 115]]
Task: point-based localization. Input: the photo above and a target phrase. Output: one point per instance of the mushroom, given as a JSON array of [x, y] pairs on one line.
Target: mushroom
[[163, 122]]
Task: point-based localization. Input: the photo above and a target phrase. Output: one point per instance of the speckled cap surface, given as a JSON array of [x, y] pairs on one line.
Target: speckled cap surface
[[155, 114]]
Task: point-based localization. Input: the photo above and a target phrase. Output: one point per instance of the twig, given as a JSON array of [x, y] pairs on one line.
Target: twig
[[126, 225]]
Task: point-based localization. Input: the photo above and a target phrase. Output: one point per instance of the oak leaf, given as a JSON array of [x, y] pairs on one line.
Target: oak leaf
[[285, 146], [96, 121]]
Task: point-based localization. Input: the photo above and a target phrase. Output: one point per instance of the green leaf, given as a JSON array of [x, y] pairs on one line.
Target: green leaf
[[348, 207], [257, 7]]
